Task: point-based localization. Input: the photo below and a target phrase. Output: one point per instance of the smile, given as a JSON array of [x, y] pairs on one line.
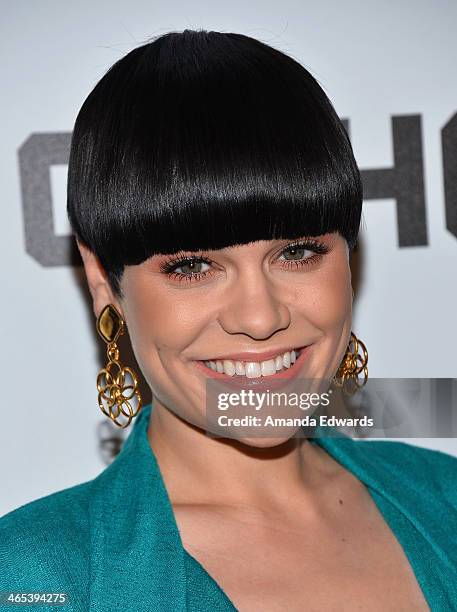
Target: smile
[[280, 365]]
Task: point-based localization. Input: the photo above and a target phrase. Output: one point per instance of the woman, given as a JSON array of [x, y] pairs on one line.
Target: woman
[[215, 199]]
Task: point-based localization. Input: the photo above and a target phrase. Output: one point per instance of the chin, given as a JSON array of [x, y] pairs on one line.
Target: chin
[[264, 442], [261, 440]]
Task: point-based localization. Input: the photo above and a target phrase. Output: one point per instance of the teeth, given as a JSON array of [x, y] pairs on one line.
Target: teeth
[[254, 369], [239, 368], [268, 368], [229, 367]]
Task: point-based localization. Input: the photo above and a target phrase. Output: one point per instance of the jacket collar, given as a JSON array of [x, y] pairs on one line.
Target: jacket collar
[[137, 556], [414, 490]]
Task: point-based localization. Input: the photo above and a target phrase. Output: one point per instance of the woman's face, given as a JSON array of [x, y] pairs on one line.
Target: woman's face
[[258, 297]]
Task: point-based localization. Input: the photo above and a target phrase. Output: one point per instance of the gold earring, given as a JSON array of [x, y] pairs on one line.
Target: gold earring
[[347, 375], [113, 394]]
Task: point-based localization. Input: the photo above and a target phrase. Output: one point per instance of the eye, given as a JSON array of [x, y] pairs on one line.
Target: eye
[[186, 268], [191, 266], [196, 267], [303, 253], [294, 253]]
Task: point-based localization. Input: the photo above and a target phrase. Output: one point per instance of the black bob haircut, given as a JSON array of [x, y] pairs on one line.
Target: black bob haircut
[[201, 140]]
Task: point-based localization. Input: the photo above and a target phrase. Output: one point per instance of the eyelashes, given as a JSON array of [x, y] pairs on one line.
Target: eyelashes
[[170, 266]]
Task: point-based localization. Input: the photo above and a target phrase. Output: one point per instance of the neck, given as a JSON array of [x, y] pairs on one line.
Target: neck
[[199, 469]]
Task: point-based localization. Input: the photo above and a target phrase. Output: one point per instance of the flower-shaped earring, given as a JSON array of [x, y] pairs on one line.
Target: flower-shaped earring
[[352, 365], [114, 395]]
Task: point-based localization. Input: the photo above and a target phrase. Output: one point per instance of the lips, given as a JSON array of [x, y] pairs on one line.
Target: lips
[[274, 380], [255, 368], [253, 356]]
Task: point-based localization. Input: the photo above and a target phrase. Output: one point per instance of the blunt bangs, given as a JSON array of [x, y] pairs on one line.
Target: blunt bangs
[[202, 140]]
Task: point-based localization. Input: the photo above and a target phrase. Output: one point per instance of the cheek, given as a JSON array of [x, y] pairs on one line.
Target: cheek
[[160, 320], [179, 320], [327, 299], [326, 315], [335, 301]]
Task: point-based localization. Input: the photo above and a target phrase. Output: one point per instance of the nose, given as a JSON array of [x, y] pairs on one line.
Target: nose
[[255, 307]]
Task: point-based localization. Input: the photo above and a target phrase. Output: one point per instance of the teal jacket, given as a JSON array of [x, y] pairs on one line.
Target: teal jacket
[[112, 543]]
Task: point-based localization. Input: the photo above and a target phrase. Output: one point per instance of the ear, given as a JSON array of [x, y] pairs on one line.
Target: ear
[[97, 280]]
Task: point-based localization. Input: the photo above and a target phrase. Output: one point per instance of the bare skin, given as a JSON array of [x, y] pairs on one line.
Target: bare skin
[[334, 552], [275, 521]]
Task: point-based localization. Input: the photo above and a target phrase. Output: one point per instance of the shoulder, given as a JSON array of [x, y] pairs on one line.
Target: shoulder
[[413, 455], [431, 468], [45, 544]]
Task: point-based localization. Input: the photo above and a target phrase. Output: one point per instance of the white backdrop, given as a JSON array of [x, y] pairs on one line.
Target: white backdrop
[[376, 60]]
